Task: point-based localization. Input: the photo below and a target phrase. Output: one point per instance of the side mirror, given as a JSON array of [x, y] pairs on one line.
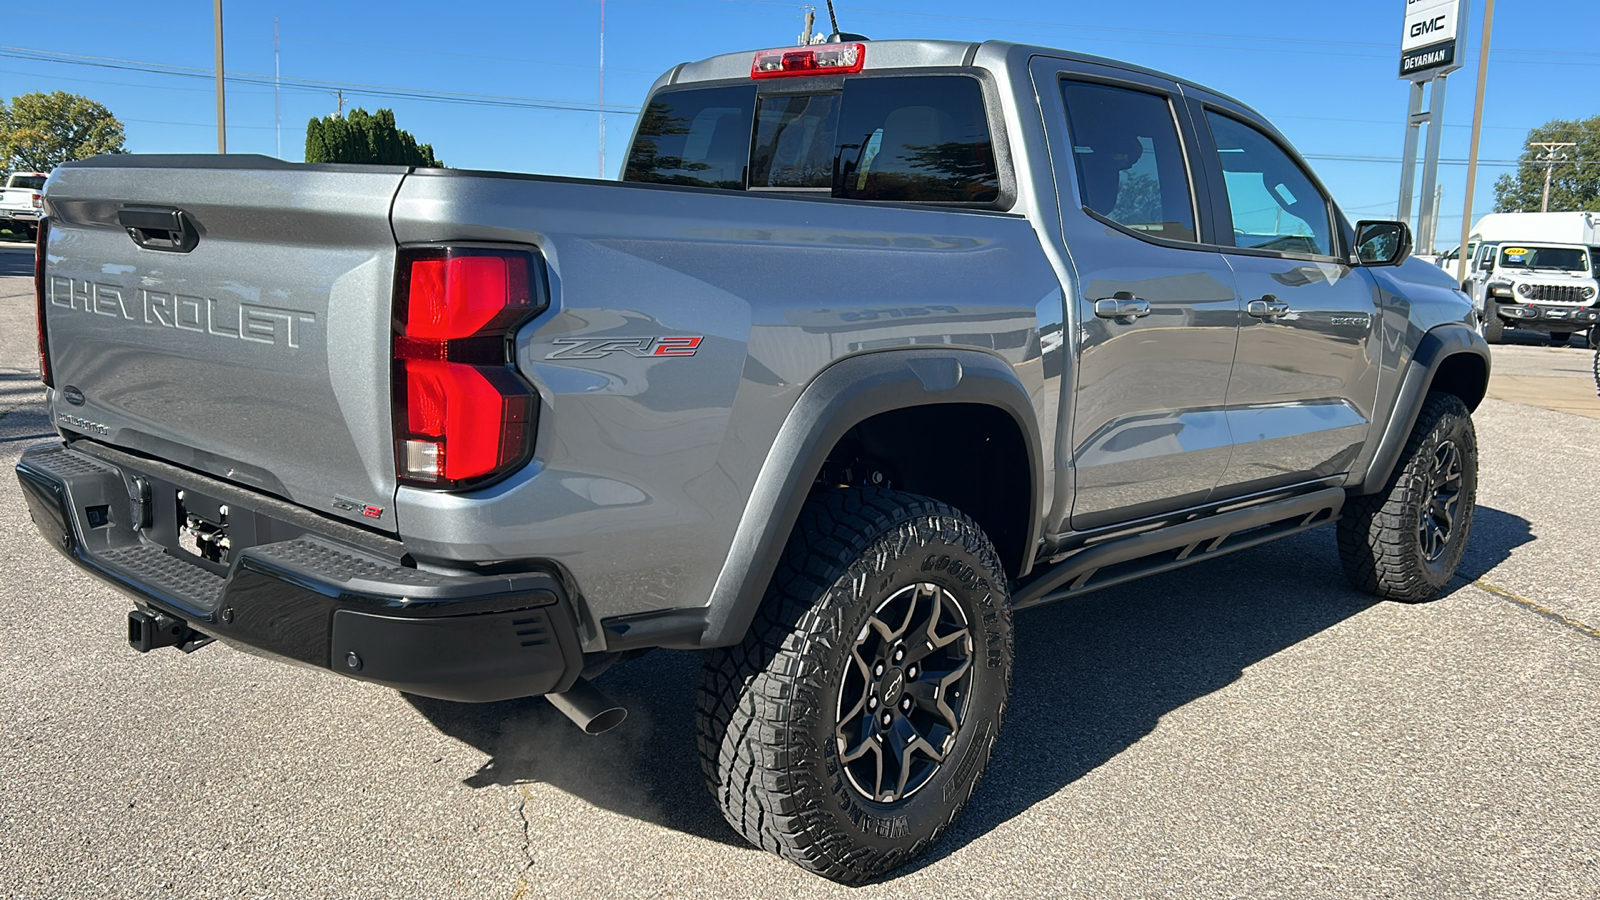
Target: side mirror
[[1381, 243]]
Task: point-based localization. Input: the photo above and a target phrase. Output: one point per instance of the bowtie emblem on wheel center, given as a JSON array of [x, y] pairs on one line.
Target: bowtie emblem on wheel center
[[894, 684]]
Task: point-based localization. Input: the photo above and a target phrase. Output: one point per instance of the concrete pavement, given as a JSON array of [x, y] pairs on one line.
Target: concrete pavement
[[1248, 727]]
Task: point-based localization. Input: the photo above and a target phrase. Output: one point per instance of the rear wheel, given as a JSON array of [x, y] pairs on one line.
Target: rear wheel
[[1405, 542], [849, 728]]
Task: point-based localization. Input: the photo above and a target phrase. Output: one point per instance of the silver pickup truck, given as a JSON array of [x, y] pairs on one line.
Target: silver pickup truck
[[875, 344]]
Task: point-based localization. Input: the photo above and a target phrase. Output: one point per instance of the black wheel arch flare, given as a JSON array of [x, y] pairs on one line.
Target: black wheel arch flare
[[849, 392]]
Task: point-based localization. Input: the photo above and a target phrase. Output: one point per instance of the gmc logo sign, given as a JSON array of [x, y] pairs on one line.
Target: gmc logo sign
[[1428, 26]]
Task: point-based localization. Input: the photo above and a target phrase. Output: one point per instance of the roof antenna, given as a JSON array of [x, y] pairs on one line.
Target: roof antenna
[[840, 37]]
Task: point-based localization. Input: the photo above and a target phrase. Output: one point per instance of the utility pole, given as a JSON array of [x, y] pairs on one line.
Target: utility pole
[[340, 113], [277, 76], [1550, 158], [602, 88], [1477, 132], [222, 105]]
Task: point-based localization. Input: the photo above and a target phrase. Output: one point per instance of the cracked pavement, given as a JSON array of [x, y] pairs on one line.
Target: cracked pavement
[[1246, 727]]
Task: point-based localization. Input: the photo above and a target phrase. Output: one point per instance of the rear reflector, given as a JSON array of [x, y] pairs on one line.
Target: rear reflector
[[40, 242], [823, 59], [462, 414]]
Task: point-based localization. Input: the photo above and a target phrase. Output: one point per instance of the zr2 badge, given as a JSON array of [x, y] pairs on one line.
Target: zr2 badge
[[643, 348]]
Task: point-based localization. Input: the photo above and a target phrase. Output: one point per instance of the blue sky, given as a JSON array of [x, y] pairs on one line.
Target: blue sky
[[1325, 73]]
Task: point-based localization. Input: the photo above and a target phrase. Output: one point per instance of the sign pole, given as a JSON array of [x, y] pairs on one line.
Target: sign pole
[[1428, 215], [1408, 171], [1429, 52]]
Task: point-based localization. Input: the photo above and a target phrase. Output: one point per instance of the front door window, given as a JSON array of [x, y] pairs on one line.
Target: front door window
[[1275, 205]]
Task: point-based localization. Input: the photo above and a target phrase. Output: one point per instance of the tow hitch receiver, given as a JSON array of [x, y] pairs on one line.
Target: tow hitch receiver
[[147, 631]]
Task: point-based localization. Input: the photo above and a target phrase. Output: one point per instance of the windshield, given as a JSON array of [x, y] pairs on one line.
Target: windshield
[[1569, 259], [29, 182]]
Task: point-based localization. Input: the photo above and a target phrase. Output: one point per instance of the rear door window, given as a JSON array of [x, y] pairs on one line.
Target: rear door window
[[915, 139], [1130, 163]]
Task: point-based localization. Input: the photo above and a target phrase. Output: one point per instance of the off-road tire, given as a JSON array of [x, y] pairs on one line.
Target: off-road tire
[[1491, 327], [1560, 338], [1381, 535], [770, 706], [1594, 338]]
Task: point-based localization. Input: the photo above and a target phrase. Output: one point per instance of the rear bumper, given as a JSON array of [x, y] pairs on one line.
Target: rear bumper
[[311, 590]]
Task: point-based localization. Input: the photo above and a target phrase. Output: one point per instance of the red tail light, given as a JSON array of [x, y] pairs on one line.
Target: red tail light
[[823, 59], [462, 415], [40, 241]]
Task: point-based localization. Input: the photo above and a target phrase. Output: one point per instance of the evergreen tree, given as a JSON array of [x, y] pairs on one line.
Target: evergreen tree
[[370, 138]]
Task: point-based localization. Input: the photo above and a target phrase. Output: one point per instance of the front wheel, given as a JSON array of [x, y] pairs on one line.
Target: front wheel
[[849, 728], [1405, 542], [1490, 326]]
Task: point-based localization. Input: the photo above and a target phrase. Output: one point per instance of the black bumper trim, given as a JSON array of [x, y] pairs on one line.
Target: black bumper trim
[[310, 599]]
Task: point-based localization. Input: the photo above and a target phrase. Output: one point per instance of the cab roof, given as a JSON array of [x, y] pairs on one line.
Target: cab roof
[[907, 54]]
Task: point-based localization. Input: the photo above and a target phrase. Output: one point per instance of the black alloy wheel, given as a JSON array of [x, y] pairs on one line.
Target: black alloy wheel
[[1439, 513], [904, 693]]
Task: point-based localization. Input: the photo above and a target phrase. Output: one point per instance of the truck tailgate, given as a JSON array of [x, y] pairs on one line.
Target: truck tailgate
[[262, 354]]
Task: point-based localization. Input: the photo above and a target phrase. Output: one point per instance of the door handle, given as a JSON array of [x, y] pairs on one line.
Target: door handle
[[159, 228], [1268, 308], [1123, 307]]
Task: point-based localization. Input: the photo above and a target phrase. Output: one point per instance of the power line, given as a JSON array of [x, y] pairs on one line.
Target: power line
[[308, 84], [511, 59]]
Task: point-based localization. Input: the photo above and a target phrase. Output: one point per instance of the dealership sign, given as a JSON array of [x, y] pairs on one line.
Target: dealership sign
[[1432, 39]]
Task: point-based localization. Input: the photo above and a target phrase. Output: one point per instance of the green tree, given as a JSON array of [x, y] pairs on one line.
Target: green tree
[[362, 137], [1574, 182], [41, 131]]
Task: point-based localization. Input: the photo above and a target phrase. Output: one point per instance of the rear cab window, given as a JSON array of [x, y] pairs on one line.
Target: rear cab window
[[902, 138], [27, 182]]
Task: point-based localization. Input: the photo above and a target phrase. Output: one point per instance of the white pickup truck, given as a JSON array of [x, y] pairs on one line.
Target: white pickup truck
[[21, 202]]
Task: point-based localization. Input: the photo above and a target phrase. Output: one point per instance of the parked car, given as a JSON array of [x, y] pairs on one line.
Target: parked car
[[876, 344]]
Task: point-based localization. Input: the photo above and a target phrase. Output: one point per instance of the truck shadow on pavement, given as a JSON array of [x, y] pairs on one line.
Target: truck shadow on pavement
[[1092, 678], [22, 413], [16, 257]]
